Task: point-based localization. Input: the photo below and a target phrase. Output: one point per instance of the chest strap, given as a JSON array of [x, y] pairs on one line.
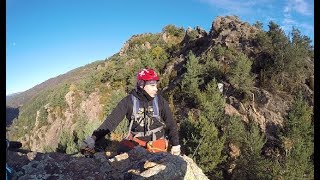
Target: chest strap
[[148, 133]]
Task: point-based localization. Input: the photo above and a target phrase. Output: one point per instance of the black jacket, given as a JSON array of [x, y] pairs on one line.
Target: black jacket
[[125, 107]]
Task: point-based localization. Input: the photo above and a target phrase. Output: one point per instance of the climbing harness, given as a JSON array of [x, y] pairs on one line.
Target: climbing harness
[[156, 145]]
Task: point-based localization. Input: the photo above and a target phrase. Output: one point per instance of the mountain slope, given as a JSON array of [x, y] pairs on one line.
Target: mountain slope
[[18, 99]]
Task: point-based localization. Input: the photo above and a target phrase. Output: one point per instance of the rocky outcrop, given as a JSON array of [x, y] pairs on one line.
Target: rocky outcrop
[[124, 49], [229, 31], [136, 164], [267, 109], [131, 44], [232, 111], [47, 137], [91, 107]]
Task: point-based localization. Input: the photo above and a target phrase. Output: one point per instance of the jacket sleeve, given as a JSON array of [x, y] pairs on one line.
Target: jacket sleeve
[[113, 120], [171, 124]]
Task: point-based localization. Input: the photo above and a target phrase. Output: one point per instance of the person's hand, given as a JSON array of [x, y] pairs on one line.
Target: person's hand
[[175, 150], [88, 144]]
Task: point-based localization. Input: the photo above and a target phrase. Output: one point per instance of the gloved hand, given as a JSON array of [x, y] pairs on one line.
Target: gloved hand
[[88, 144], [175, 150]]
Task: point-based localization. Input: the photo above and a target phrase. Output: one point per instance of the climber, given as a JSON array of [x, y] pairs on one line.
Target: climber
[[149, 118]]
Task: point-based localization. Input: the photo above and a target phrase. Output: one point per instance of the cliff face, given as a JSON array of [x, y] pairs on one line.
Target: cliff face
[[49, 135]]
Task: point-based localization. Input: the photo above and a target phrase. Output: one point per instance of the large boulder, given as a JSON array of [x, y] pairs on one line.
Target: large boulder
[[136, 164]]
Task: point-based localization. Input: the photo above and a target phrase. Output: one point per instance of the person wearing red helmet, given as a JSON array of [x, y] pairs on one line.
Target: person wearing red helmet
[[147, 79], [149, 117]]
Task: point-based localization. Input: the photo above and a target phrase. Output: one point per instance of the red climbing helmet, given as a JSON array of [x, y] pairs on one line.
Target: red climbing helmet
[[147, 75]]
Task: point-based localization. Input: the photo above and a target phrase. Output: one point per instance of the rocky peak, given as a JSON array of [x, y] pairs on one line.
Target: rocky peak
[[229, 31], [201, 32], [130, 44]]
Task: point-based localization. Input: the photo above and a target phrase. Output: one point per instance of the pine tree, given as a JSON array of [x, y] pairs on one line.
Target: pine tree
[[299, 131], [209, 152], [212, 103], [251, 164], [205, 141], [240, 75], [191, 79]]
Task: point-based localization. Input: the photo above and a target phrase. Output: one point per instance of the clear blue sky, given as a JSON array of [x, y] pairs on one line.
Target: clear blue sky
[[46, 38]]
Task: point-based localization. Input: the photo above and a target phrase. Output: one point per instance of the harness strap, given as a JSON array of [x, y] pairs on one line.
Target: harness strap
[[155, 107], [148, 133], [135, 110], [8, 168], [8, 172]]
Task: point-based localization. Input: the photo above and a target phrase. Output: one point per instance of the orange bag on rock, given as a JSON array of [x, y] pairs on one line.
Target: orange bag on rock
[[159, 145]]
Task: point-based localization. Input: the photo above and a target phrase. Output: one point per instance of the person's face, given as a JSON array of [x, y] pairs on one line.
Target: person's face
[[151, 88]]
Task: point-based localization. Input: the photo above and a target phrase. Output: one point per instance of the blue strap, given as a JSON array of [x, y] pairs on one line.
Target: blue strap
[[155, 106], [135, 110], [135, 105], [8, 172]]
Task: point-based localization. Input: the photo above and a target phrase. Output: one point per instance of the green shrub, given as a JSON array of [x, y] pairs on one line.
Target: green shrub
[[43, 117], [189, 134], [173, 30], [212, 103], [160, 57], [57, 96], [67, 143], [48, 149], [281, 62], [84, 129]]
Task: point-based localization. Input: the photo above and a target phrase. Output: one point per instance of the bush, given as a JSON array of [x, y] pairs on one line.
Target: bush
[[48, 149], [84, 129], [173, 30], [43, 117], [112, 100], [67, 143], [212, 103], [56, 96], [189, 134], [160, 57], [281, 63]]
